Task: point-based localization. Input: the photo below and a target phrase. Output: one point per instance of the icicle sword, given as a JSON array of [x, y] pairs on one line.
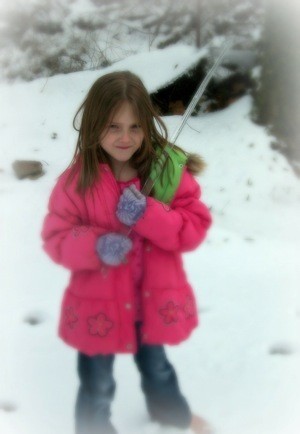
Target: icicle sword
[[149, 184]]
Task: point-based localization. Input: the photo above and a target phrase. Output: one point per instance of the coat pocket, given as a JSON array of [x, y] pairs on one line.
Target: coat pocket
[[175, 305], [172, 313], [91, 326]]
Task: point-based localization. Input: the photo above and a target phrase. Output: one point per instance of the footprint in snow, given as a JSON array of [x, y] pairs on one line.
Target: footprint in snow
[[281, 349], [35, 318], [203, 309], [7, 406], [249, 239]]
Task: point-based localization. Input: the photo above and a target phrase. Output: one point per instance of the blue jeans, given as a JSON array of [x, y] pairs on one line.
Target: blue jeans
[[164, 400]]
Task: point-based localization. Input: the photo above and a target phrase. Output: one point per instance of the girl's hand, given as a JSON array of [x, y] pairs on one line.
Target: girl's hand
[[112, 248], [131, 206]]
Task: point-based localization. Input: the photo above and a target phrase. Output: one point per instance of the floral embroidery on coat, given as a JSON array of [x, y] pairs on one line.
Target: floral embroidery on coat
[[70, 317], [99, 325], [169, 312], [189, 307], [79, 230]]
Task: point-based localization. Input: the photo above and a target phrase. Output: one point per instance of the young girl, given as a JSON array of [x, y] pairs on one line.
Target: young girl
[[128, 292]]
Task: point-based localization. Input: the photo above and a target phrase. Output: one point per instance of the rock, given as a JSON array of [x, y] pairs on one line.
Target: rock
[[27, 169]]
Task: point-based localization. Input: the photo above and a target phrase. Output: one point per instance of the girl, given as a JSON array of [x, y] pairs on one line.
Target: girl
[[128, 291]]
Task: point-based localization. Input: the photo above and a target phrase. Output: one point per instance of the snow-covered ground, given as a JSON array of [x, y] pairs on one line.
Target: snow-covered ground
[[240, 369]]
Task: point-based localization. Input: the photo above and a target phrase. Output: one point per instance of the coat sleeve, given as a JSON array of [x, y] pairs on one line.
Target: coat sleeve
[[183, 225], [65, 239]]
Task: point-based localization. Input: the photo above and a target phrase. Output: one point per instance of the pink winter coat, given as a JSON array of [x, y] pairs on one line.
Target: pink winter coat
[[97, 315]]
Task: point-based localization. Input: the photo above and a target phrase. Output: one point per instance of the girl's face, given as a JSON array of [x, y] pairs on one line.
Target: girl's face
[[123, 136]]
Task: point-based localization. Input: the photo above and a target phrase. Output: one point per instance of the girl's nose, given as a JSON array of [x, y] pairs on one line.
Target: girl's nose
[[125, 136]]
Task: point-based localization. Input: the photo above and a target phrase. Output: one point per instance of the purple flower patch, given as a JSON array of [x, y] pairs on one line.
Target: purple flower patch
[[71, 318], [79, 230], [99, 325], [169, 312], [189, 307]]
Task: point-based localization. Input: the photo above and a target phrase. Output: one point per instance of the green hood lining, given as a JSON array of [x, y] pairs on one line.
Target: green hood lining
[[166, 185]]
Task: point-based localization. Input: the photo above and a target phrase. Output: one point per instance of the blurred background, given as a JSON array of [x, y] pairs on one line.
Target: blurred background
[[42, 38], [240, 369]]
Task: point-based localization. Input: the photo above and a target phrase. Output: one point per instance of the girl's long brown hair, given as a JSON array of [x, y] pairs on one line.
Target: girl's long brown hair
[[98, 108]]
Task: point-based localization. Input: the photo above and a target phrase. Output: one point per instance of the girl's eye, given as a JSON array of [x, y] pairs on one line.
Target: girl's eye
[[113, 126], [136, 127]]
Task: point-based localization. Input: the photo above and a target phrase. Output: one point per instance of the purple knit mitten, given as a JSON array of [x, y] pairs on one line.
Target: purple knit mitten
[[112, 248], [131, 206]]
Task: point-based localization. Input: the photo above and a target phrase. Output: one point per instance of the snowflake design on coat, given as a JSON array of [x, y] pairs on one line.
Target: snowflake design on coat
[[169, 312], [70, 317], [79, 230], [189, 307], [99, 325]]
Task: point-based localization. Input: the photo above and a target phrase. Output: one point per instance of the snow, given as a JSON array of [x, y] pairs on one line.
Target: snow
[[240, 368], [243, 59]]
